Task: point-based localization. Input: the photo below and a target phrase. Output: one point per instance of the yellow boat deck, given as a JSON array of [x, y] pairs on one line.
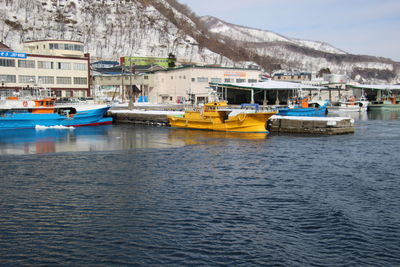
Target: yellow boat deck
[[214, 116]]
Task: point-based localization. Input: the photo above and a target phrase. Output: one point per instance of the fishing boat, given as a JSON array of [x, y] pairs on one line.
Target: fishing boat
[[382, 96], [18, 113], [216, 116], [385, 102], [349, 105], [300, 106]]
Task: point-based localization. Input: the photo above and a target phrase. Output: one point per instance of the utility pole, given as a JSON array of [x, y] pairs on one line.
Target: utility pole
[[122, 94], [130, 80]]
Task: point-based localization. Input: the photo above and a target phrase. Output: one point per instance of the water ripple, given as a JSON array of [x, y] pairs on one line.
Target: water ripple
[[285, 201]]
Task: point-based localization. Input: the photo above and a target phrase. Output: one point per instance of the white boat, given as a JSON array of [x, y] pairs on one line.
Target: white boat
[[350, 105]]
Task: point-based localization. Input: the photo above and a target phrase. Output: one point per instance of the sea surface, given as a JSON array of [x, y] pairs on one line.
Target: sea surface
[[128, 195]]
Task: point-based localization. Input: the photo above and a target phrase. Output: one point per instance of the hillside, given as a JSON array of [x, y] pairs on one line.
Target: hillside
[[302, 54], [110, 29]]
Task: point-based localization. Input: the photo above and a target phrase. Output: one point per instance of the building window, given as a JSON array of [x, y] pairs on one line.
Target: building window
[[193, 79], [8, 78], [146, 77], [240, 80], [80, 80], [26, 79], [216, 80], [26, 64], [66, 47], [46, 79], [58, 93], [7, 62], [53, 46], [80, 66], [64, 66], [68, 93], [252, 80], [64, 80], [202, 79], [228, 80], [172, 77], [45, 65]]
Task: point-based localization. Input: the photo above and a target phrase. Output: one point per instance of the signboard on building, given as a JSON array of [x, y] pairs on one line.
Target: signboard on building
[[12, 54], [132, 61], [235, 74]]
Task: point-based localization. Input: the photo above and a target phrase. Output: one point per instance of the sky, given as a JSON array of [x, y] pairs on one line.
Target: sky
[[362, 27]]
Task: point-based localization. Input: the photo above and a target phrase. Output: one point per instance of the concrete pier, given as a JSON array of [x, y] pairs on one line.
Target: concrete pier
[[138, 118], [311, 125], [276, 124]]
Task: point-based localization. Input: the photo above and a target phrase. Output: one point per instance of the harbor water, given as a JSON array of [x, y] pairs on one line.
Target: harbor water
[[128, 195]]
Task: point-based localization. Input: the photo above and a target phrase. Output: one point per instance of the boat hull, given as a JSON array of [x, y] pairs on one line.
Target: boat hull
[[302, 111], [349, 106], [384, 106], [20, 119], [243, 122], [346, 109]]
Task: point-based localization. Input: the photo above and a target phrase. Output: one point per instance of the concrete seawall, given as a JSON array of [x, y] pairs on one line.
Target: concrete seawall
[[311, 125], [138, 118], [276, 124]]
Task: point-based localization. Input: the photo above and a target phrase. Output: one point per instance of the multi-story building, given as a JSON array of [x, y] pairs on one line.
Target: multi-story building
[[180, 84], [175, 85], [292, 76], [59, 65]]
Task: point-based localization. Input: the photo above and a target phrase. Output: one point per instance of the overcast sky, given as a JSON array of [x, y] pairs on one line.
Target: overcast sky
[[368, 27]]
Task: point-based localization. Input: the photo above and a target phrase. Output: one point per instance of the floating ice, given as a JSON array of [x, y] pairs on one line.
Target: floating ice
[[41, 127]]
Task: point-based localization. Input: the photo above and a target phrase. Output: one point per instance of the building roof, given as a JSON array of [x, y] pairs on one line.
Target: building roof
[[53, 40], [3, 47], [269, 85], [376, 86], [107, 62], [125, 70], [291, 73], [187, 66]]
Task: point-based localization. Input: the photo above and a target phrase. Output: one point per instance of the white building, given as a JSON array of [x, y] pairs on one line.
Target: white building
[[178, 84], [60, 65], [170, 86]]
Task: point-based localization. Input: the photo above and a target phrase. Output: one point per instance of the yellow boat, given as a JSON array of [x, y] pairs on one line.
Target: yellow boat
[[216, 117]]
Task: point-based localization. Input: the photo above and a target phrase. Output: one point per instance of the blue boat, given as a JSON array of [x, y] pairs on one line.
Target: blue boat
[[45, 113], [304, 108]]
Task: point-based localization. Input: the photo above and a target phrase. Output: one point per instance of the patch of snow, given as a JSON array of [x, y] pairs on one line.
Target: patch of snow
[[150, 112], [59, 127], [308, 118]]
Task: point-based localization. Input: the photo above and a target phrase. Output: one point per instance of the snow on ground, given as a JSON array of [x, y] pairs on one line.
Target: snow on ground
[[331, 121]]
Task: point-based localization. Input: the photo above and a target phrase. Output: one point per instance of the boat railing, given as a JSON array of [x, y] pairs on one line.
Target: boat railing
[[26, 94]]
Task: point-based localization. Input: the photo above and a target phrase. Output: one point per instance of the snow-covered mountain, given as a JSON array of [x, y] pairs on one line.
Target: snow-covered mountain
[[110, 29], [250, 35], [302, 54]]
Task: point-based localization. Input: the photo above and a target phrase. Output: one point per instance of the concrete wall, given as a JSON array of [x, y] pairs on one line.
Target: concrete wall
[[170, 86]]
